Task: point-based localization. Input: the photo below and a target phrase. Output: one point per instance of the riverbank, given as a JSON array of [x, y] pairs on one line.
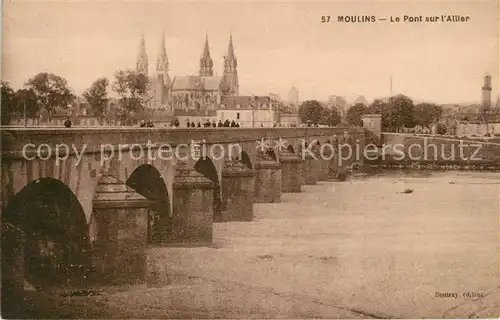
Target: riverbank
[[357, 249]]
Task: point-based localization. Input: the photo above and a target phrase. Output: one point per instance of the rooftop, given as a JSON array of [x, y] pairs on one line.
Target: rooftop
[[244, 102], [196, 83]]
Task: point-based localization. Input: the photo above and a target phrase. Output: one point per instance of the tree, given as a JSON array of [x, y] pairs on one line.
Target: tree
[[51, 92], [384, 109], [132, 87], [402, 112], [330, 117], [426, 114], [355, 113], [311, 110], [441, 128], [468, 113], [26, 100], [9, 108], [97, 97]]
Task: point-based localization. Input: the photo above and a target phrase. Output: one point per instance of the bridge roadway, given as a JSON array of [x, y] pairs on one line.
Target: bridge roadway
[[14, 138], [109, 207]]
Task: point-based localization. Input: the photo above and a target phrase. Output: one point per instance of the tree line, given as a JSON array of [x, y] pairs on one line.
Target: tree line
[[315, 113], [397, 112], [50, 94]]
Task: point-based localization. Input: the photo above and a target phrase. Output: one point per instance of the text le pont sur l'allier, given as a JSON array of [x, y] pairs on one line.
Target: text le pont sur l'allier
[[396, 19]]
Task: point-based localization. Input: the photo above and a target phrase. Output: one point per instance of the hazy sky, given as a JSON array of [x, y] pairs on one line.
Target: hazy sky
[[277, 45]]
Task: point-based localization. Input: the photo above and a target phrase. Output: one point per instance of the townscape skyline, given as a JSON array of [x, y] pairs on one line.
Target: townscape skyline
[[277, 46]]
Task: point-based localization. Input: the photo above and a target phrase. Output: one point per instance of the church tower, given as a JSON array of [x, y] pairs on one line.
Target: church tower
[[142, 58], [486, 101], [230, 77], [206, 63], [162, 78]]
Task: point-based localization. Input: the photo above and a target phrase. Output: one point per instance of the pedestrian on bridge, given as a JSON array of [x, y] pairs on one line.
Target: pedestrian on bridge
[[67, 123]]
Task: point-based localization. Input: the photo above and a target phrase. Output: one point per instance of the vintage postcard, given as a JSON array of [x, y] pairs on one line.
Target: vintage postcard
[[276, 159]]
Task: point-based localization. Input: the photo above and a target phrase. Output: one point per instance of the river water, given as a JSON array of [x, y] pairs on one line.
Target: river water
[[354, 249]]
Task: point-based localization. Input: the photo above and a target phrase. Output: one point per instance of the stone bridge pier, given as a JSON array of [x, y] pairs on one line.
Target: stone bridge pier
[[122, 235], [238, 183], [193, 209], [98, 206], [291, 171], [268, 178]]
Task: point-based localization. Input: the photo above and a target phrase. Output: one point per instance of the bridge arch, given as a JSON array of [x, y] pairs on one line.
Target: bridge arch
[[272, 154], [147, 181], [206, 167], [56, 236], [244, 158]]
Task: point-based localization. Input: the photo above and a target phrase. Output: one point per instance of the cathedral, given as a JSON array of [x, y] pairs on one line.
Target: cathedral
[[194, 92]]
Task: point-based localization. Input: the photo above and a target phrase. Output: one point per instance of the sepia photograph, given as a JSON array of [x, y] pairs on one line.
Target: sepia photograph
[[250, 160]]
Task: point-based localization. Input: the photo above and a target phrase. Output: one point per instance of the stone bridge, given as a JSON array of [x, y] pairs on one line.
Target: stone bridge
[[97, 197]]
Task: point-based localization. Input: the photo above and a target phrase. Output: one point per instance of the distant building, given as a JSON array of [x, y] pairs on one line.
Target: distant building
[[248, 111], [79, 112], [289, 120], [486, 92], [360, 99], [338, 103], [195, 92], [293, 97], [275, 97], [192, 92]]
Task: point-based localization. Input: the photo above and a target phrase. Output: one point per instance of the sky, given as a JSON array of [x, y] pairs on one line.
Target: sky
[[278, 45]]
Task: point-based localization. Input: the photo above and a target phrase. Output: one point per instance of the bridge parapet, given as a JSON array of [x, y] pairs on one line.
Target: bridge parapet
[[92, 140]]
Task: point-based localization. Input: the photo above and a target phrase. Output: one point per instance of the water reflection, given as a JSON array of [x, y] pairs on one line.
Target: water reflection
[[467, 177]]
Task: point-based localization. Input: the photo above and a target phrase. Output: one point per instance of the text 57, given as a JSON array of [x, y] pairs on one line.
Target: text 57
[[325, 19]]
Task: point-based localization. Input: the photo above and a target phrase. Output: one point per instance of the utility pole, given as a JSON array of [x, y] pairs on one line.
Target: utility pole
[[279, 113], [390, 86], [253, 111], [24, 111], [253, 116], [331, 116], [486, 90]]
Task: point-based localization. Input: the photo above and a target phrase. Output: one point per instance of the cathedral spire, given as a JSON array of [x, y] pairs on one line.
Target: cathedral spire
[[162, 82], [162, 60], [142, 57], [230, 81], [206, 50], [230, 50], [206, 63]]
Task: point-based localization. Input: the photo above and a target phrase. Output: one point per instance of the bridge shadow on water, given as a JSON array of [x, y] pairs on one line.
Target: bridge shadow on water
[[148, 182], [44, 237]]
